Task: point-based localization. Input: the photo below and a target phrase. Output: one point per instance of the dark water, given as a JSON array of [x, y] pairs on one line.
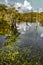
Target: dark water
[[29, 36], [32, 36], [2, 40], [29, 40]]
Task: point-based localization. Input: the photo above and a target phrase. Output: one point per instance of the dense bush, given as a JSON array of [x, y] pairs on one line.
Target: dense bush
[[12, 53], [15, 54]]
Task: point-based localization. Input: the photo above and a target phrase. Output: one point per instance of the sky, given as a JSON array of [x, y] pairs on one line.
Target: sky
[[34, 3]]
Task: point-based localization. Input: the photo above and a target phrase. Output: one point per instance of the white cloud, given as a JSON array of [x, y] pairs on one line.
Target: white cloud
[[40, 9], [6, 1], [26, 3], [23, 7], [35, 10], [17, 5]]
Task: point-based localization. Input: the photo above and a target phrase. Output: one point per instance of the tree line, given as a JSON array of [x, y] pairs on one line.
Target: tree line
[[9, 17]]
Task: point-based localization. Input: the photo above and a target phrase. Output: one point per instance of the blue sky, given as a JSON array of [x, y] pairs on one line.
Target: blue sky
[[35, 3]]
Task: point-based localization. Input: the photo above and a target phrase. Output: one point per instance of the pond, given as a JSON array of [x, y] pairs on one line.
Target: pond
[[29, 46], [27, 35], [31, 36]]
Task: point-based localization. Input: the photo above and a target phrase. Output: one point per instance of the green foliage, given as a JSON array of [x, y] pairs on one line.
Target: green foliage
[[15, 54], [10, 40], [12, 53], [8, 16]]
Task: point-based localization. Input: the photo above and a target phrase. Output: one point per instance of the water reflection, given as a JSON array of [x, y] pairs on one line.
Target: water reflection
[[28, 36], [2, 40], [32, 35]]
